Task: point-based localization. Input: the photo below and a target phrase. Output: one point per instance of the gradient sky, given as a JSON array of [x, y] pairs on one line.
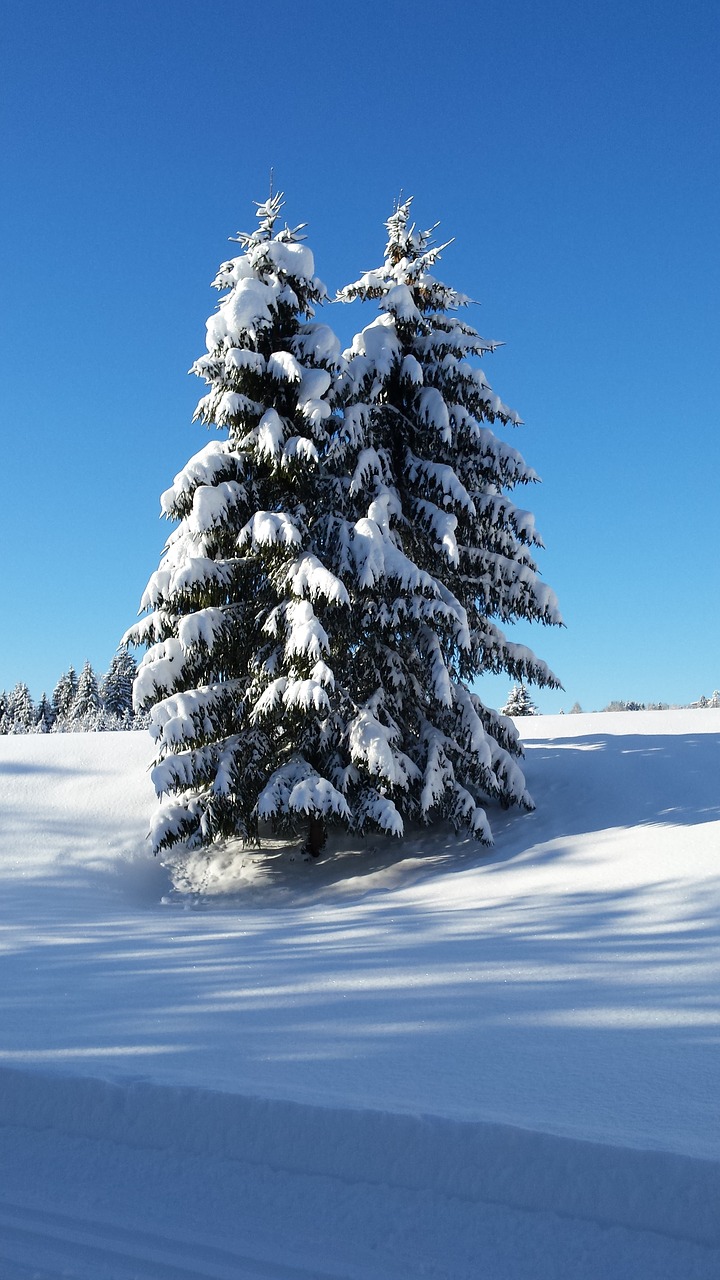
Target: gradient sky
[[572, 150]]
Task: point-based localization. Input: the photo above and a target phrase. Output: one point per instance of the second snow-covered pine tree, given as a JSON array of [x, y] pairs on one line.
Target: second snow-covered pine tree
[[445, 554]]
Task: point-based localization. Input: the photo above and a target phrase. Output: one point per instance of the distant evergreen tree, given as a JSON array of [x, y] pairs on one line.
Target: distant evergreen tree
[[117, 686], [21, 711], [4, 724], [519, 702], [44, 715], [86, 704], [64, 694]]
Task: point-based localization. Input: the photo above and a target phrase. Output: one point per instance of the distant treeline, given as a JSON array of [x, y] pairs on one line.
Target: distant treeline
[[520, 703], [84, 703], [618, 705], [79, 703]]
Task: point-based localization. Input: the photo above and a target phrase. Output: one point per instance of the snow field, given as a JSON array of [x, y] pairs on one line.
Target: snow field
[[411, 1060]]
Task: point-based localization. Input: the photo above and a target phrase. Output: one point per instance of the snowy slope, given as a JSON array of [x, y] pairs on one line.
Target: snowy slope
[[406, 1060]]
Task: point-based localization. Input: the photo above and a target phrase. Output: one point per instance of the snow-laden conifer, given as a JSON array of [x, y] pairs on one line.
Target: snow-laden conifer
[[440, 554], [519, 702], [21, 711], [44, 715], [116, 690], [239, 612], [64, 694], [86, 704]]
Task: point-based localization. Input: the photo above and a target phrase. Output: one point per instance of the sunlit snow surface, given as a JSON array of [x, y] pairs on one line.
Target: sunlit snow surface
[[407, 1059]]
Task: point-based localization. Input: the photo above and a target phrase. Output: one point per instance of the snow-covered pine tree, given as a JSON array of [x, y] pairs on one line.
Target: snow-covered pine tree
[[519, 702], [21, 712], [86, 705], [239, 610], [44, 715], [117, 686], [64, 694], [442, 554]]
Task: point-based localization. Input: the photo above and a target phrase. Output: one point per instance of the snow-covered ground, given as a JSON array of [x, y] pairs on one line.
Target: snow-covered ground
[[425, 1059]]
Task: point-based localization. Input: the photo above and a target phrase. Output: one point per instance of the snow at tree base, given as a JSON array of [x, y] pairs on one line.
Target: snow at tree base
[[407, 1059], [341, 565]]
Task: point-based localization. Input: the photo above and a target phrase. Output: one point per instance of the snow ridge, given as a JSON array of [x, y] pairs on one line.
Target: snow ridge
[[481, 1162]]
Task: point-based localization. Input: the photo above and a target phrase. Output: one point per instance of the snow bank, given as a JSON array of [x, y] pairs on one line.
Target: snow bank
[[500, 1164]]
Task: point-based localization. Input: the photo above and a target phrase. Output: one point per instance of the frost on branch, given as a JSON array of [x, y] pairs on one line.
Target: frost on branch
[[297, 788]]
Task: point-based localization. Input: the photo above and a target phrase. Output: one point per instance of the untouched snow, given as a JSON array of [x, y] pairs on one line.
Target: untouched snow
[[416, 1059]]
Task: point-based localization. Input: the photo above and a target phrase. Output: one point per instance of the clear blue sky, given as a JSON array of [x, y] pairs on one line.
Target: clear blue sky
[[572, 150]]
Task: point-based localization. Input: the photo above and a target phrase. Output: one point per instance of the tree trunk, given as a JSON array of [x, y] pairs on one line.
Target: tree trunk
[[316, 836]]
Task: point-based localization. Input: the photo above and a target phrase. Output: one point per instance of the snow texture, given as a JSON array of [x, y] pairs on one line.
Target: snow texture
[[403, 1060]]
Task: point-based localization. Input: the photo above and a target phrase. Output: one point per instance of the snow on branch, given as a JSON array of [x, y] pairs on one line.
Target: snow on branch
[[307, 576], [268, 528]]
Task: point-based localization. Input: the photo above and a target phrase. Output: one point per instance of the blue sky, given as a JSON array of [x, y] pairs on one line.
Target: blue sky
[[572, 150]]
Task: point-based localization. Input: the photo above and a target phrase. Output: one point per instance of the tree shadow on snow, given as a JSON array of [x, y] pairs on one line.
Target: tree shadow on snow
[[580, 785], [605, 781], [16, 768]]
